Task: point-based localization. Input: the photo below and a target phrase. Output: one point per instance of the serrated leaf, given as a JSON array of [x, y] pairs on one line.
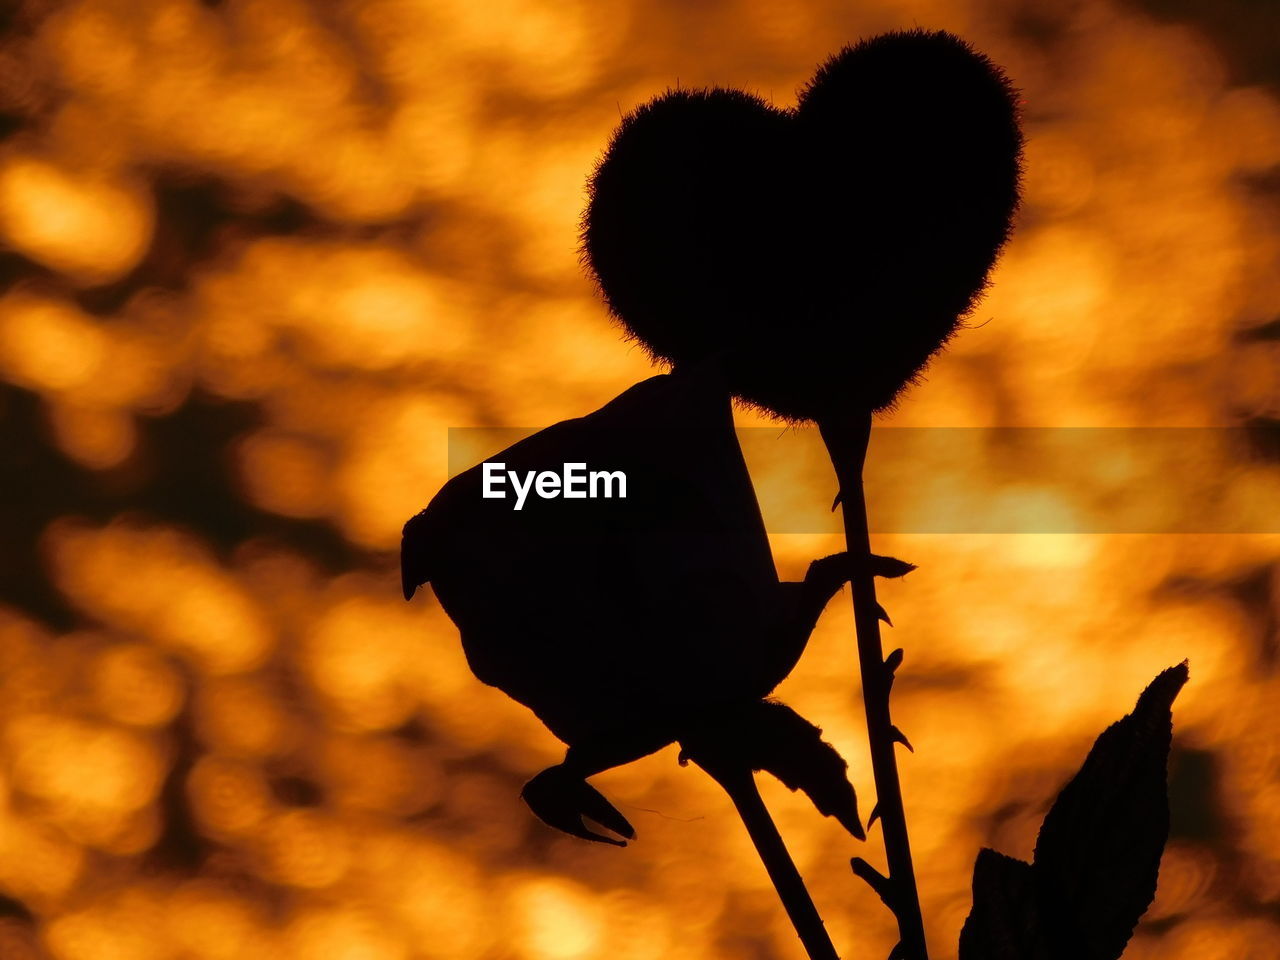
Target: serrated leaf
[[1002, 923], [1098, 853]]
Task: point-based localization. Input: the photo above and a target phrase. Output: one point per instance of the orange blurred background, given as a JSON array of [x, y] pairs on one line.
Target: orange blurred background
[[258, 256]]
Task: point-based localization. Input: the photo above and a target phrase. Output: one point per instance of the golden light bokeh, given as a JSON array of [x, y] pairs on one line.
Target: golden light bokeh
[[260, 255]]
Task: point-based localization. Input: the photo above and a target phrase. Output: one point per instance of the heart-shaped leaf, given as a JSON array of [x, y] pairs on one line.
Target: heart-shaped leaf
[[824, 252]]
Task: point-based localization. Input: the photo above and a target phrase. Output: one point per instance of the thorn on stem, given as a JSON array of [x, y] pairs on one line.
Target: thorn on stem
[[875, 815], [883, 615], [900, 737], [836, 502]]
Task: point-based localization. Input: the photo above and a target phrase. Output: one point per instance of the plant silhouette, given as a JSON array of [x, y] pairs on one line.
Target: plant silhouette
[[809, 262]]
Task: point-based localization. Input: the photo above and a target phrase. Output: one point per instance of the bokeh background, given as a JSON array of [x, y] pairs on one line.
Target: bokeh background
[[259, 255]]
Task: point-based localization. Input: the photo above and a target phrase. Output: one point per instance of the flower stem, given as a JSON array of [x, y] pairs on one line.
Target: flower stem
[[847, 444], [740, 785]]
